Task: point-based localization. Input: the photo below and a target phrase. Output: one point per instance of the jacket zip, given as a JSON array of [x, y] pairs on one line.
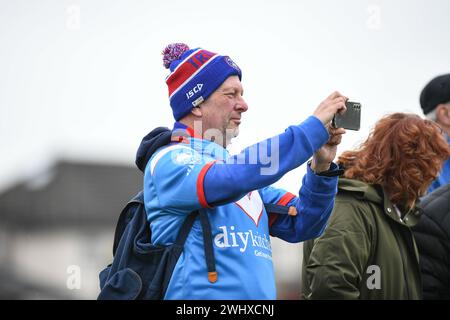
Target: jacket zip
[[403, 263]]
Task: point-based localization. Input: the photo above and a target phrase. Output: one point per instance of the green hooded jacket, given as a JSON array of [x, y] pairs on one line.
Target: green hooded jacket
[[366, 252]]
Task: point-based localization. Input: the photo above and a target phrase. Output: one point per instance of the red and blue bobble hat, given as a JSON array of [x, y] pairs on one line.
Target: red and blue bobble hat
[[194, 75]]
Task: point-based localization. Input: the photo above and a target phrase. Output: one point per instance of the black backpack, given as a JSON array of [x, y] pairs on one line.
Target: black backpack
[[140, 269]]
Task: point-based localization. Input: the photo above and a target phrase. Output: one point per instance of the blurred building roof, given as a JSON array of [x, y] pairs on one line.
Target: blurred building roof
[[70, 194]]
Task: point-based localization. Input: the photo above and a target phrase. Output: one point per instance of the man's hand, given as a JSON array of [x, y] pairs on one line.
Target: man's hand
[[324, 156], [335, 103]]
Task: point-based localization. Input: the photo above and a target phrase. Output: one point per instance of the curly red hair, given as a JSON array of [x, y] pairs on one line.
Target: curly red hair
[[404, 154]]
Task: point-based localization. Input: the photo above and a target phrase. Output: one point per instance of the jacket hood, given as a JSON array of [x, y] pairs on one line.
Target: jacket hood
[[376, 194], [157, 138], [367, 191]]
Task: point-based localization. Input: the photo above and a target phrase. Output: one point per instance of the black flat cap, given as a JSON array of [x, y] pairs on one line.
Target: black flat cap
[[437, 91]]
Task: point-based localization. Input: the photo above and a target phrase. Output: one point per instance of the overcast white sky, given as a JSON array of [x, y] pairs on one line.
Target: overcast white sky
[[84, 79]]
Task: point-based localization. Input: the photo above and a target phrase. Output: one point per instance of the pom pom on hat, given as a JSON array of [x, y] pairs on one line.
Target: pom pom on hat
[[173, 52]]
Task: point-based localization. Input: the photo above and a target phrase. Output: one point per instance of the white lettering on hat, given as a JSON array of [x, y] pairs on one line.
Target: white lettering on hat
[[194, 90]]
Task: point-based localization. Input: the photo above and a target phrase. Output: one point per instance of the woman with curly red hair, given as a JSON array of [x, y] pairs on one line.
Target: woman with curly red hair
[[368, 250]]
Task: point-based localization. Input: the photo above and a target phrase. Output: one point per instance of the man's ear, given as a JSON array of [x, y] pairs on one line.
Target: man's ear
[[197, 112], [443, 114]]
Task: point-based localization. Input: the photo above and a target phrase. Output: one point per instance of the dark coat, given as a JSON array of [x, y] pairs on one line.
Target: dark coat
[[433, 240]]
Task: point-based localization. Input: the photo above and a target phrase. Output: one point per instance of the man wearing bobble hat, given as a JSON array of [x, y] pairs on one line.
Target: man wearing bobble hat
[[196, 172]]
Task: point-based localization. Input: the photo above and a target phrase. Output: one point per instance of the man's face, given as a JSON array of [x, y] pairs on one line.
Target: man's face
[[442, 112], [221, 112]]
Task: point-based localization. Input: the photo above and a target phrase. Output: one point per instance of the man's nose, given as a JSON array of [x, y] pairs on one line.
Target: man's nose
[[242, 106]]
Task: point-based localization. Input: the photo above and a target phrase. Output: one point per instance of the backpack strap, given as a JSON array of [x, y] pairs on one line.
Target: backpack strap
[[276, 208], [186, 228], [208, 246], [207, 240]]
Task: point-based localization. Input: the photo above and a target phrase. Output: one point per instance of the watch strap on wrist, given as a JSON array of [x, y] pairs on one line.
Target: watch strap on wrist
[[334, 172]]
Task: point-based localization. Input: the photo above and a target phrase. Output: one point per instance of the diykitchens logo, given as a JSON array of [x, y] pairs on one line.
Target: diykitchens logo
[[229, 238]]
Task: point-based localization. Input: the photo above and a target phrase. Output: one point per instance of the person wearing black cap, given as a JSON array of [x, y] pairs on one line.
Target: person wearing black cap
[[432, 233], [435, 103]]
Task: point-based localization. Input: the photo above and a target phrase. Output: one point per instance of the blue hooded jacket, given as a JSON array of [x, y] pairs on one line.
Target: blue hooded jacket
[[193, 173]]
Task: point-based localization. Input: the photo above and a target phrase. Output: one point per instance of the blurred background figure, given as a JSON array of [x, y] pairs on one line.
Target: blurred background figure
[[368, 250], [432, 235], [435, 103]]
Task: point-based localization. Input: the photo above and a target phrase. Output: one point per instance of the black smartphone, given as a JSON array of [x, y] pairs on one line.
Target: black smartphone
[[350, 119]]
